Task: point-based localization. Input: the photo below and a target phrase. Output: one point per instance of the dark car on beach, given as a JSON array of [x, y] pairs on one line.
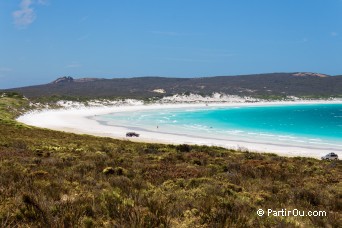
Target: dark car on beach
[[132, 134]]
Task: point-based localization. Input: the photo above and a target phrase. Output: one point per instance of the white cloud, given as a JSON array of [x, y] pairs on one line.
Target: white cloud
[[26, 15], [43, 2]]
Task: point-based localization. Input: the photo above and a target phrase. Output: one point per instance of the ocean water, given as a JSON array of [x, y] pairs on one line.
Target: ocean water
[[308, 124]]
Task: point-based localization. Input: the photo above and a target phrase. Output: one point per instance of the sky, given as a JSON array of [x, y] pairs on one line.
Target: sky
[[41, 40]]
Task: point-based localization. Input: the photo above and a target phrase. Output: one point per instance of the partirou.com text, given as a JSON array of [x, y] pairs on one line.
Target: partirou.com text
[[292, 212]]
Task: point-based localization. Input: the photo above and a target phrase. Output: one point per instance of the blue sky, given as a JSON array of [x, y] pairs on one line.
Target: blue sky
[[41, 40]]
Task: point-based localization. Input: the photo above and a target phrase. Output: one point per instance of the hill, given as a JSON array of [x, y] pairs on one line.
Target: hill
[[261, 85]]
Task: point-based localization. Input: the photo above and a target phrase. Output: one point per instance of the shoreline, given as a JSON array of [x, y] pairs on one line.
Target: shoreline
[[81, 121]]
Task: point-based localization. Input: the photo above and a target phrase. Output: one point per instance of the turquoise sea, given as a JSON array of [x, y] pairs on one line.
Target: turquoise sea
[[310, 124]]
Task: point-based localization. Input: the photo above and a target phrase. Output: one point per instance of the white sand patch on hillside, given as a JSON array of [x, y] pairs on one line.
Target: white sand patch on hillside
[[159, 91]]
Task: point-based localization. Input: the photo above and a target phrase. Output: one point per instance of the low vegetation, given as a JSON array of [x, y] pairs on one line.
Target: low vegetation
[[11, 105], [57, 179]]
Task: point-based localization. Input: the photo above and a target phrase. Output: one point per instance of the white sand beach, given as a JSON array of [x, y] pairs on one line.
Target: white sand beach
[[79, 120]]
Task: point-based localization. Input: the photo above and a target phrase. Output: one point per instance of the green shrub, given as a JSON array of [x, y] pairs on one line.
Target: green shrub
[[184, 148], [88, 222], [117, 171]]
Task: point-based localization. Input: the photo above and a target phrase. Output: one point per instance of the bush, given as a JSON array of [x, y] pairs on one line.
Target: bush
[[88, 222], [118, 171], [184, 148], [108, 170]]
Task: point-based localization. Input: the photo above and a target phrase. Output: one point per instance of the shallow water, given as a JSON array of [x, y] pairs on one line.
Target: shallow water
[[309, 124]]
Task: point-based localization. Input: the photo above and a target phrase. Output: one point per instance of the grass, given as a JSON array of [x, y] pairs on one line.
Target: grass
[[11, 106], [56, 179]]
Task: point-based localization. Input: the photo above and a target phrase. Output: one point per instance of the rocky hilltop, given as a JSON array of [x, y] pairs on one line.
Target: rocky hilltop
[[63, 80], [67, 79]]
